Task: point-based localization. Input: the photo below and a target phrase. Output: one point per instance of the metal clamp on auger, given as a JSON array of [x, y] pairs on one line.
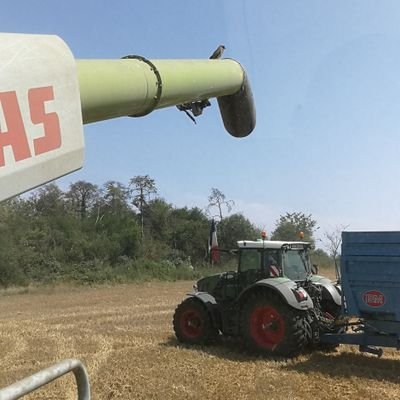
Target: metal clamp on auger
[[154, 69], [196, 108]]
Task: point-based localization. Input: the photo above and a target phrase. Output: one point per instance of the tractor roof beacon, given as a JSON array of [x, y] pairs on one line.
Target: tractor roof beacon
[[274, 301]]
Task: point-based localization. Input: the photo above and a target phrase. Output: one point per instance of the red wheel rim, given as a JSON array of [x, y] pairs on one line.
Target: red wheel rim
[[328, 316], [192, 324], [267, 327]]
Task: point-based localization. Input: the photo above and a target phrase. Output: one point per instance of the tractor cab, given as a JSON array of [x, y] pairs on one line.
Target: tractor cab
[[273, 259], [258, 260]]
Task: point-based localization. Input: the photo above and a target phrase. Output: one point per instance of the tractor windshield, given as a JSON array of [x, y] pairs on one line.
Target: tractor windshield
[[296, 264]]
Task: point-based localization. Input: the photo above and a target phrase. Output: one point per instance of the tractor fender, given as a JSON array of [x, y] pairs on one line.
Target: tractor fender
[[329, 290], [204, 297], [283, 287], [211, 305]]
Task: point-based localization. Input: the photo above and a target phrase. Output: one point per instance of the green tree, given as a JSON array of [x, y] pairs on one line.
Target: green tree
[[158, 216], [10, 228], [116, 232], [115, 197], [320, 258], [81, 197], [114, 200], [189, 233], [233, 228], [218, 200], [142, 187], [289, 226], [48, 200]]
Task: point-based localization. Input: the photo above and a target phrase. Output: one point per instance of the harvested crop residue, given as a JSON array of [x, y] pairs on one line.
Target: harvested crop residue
[[124, 336]]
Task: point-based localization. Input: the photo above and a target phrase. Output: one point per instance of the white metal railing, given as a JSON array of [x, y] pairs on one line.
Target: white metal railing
[[41, 378]]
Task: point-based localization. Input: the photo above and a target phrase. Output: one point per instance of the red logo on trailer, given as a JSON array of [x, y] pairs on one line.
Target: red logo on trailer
[[373, 298]]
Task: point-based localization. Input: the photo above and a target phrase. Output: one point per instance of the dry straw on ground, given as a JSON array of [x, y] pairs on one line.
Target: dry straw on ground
[[123, 335]]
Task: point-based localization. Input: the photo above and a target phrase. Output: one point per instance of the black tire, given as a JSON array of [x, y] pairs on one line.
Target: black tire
[[330, 307], [271, 327], [330, 311], [192, 323]]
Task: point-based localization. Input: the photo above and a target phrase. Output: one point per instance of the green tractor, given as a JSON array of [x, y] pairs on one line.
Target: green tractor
[[275, 301]]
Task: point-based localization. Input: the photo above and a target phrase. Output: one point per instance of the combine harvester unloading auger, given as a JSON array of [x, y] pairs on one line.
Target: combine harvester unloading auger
[[46, 96]]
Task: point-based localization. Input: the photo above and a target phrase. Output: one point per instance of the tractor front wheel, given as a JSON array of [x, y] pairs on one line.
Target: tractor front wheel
[[271, 327], [192, 323]]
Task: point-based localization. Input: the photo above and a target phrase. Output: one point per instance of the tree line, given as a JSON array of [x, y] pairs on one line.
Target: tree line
[[117, 232]]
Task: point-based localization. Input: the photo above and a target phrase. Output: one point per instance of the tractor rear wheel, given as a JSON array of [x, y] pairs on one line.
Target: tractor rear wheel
[[192, 323], [271, 327]]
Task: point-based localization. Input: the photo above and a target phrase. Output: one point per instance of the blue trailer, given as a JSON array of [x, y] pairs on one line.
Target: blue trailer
[[370, 279]]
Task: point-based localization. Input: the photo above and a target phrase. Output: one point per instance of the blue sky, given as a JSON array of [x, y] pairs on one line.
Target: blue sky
[[325, 77]]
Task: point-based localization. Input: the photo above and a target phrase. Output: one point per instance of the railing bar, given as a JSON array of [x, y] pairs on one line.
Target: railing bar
[[41, 378]]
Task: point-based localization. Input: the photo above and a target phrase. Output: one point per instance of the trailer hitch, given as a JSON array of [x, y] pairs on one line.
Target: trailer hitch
[[372, 350]]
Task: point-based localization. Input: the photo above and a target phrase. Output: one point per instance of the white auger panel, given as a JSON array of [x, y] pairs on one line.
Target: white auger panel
[[41, 132]]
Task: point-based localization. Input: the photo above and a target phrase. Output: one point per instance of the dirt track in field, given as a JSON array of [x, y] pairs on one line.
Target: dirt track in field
[[123, 335]]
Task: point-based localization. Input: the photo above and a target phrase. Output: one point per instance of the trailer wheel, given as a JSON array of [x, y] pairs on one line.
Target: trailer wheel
[[192, 323], [271, 327]]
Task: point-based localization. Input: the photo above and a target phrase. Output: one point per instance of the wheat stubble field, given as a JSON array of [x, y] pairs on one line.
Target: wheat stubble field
[[124, 337]]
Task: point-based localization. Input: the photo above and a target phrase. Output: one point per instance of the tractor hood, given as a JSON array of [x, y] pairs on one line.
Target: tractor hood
[[208, 283]]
